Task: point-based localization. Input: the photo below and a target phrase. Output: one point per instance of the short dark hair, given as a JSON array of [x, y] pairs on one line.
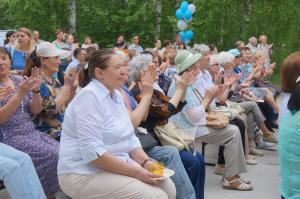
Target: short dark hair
[[77, 51], [212, 47], [8, 34], [167, 42], [4, 51], [294, 102]]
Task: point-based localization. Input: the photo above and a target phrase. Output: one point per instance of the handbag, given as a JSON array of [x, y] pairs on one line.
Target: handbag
[[229, 112], [147, 140], [171, 135], [214, 119]]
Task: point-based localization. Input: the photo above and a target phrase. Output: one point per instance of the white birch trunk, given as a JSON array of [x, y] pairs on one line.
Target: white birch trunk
[[72, 17], [157, 18]]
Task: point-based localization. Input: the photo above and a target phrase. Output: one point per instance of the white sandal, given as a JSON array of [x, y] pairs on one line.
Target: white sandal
[[241, 187], [245, 181]]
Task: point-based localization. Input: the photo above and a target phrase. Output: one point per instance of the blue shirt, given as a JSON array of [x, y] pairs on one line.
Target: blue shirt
[[245, 69], [18, 59]]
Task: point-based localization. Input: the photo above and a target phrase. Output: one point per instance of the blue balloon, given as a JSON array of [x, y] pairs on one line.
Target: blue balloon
[[184, 6], [179, 14], [188, 15], [182, 36], [189, 34]]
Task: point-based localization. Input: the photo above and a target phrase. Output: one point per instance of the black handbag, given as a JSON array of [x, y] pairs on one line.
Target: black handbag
[[148, 141]]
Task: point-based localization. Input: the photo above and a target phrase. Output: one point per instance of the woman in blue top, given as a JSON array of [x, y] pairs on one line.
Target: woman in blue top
[[19, 52], [289, 148]]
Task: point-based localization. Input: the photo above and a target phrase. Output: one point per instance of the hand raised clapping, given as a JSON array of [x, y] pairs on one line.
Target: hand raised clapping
[[36, 76], [5, 92], [148, 78], [71, 78], [188, 78]]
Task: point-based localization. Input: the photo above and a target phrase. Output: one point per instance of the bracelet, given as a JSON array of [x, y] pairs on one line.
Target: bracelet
[[37, 92], [144, 162]]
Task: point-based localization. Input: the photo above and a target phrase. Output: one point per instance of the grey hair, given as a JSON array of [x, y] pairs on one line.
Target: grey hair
[[213, 59], [201, 48], [137, 65], [252, 39], [225, 58]]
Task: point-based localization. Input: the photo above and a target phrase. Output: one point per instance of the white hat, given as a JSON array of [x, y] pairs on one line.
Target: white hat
[[47, 49]]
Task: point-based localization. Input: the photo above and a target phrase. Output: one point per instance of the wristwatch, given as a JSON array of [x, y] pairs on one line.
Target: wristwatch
[[144, 162]]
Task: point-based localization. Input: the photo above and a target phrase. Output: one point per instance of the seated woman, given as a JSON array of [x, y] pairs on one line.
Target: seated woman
[[161, 108], [54, 97], [227, 61], [289, 137], [100, 156], [14, 165], [192, 119], [17, 128], [249, 78]]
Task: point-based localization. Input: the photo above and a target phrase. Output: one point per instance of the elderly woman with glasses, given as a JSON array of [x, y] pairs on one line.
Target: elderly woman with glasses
[[192, 118], [163, 107]]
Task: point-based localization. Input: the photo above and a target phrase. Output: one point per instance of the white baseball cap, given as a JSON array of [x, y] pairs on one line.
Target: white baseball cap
[[47, 49]]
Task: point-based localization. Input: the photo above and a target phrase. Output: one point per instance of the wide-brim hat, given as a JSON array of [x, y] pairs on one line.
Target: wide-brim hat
[[185, 59], [47, 49]]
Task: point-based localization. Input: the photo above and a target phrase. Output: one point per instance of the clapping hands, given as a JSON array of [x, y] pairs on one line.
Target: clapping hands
[[188, 78], [148, 78], [5, 92], [71, 79]]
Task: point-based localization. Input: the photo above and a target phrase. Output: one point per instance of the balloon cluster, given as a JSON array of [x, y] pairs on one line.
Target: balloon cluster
[[184, 15]]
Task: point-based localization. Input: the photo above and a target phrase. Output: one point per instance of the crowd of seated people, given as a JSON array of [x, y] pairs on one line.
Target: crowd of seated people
[[89, 129]]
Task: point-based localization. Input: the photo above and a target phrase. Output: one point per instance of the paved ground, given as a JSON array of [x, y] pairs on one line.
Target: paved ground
[[265, 178]]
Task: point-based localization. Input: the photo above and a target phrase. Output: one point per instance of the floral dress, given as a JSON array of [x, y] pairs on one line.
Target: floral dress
[[49, 120], [19, 132]]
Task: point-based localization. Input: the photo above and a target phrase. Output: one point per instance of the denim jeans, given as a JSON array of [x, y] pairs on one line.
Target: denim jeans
[[171, 159], [195, 168], [19, 175]]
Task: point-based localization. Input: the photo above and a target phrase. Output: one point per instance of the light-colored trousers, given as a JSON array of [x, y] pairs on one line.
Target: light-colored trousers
[[230, 138], [106, 185], [19, 175], [254, 115]]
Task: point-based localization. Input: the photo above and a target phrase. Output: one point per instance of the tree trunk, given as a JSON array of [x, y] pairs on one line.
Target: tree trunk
[[72, 17], [157, 18]]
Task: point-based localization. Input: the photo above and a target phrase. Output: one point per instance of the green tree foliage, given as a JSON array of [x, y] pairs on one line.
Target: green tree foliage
[[220, 22]]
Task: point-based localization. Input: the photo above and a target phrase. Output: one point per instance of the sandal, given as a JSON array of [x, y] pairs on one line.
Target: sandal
[[236, 184], [245, 181]]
